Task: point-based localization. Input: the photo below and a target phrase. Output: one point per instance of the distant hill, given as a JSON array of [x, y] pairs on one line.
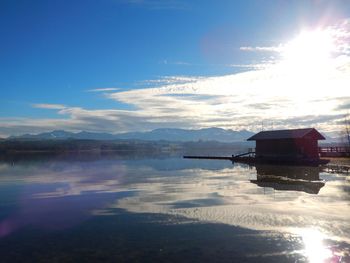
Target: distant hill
[[167, 134], [209, 134], [63, 135]]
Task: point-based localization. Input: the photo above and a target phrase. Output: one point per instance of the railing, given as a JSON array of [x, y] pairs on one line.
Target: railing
[[251, 150], [334, 168], [334, 149]]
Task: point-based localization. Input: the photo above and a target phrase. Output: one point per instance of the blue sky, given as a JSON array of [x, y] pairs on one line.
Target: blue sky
[[126, 65]]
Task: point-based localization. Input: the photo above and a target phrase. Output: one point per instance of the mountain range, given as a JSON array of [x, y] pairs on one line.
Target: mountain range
[[167, 134]]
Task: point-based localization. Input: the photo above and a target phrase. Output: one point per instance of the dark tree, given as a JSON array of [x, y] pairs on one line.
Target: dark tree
[[347, 128]]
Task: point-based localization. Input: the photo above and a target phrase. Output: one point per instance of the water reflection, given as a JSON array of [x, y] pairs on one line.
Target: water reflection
[[61, 193], [289, 178]]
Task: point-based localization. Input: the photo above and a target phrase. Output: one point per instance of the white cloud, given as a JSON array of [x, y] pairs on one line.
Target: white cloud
[[179, 63], [48, 106], [236, 101], [103, 89], [262, 49], [168, 80], [262, 65], [237, 97]]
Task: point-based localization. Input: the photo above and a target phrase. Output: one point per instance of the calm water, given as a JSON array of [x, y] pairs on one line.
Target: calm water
[[93, 208]]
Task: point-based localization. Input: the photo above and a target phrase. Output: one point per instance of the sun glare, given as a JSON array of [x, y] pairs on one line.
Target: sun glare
[[310, 50], [314, 248]]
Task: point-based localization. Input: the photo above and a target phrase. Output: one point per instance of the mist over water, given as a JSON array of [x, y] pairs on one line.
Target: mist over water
[[168, 208]]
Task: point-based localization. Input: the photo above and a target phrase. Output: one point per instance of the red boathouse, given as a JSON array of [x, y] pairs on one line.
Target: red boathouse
[[287, 144]]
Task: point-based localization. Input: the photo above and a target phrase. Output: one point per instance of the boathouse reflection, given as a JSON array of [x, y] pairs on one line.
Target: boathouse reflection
[[289, 178]]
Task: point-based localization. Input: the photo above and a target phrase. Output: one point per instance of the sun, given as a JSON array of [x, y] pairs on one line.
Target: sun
[[310, 51], [306, 72]]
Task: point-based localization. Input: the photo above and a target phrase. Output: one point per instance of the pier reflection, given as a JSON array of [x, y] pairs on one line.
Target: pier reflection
[[289, 178]]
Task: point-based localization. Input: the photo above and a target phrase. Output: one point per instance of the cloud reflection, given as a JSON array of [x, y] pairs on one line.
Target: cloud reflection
[[60, 194], [57, 195]]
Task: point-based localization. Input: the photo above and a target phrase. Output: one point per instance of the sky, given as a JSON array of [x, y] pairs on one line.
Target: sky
[[136, 65]]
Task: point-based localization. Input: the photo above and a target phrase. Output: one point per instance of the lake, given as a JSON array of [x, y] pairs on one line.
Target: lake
[[111, 208]]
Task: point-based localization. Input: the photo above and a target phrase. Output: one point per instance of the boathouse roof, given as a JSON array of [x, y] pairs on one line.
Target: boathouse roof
[[286, 134]]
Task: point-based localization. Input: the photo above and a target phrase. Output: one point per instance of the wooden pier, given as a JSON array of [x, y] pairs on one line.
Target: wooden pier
[[250, 158], [243, 157], [208, 157]]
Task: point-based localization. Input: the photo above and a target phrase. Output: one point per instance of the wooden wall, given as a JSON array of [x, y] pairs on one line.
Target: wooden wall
[[288, 148]]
